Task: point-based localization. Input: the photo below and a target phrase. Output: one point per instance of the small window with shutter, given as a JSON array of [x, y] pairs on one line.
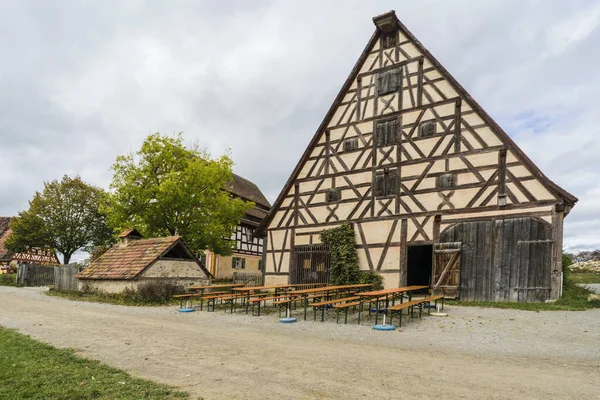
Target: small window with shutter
[[388, 39], [427, 129], [447, 181], [389, 81], [333, 195], [386, 132], [350, 144], [386, 183]]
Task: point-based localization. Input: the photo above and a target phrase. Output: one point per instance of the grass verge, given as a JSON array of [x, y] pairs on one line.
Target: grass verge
[[584, 277], [574, 299], [33, 370], [122, 299]]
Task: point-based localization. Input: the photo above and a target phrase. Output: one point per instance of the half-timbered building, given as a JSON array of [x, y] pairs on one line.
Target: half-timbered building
[[10, 259], [248, 247], [436, 191]]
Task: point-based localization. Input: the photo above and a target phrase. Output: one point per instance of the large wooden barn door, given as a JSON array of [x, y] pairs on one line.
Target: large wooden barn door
[[522, 260], [501, 260], [446, 269], [312, 264]]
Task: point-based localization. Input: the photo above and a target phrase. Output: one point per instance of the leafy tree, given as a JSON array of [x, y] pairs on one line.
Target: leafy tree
[[64, 217], [168, 189]]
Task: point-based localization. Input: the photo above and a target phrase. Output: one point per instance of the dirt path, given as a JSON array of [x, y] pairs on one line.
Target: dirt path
[[474, 353]]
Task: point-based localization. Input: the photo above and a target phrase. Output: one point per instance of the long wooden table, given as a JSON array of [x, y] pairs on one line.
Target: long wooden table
[[326, 290], [249, 290], [202, 289], [387, 292]]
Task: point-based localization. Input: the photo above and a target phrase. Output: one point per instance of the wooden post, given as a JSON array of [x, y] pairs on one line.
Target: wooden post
[[420, 83], [437, 220], [457, 125], [292, 263], [556, 277], [403, 252]]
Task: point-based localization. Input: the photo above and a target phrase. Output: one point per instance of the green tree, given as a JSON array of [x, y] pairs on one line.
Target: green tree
[[168, 189], [64, 217]]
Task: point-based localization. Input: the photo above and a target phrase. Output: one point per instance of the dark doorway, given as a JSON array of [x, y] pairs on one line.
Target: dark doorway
[[419, 265]]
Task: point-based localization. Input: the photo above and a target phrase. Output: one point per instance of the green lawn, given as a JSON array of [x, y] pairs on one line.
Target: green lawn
[[574, 299], [33, 370], [589, 277]]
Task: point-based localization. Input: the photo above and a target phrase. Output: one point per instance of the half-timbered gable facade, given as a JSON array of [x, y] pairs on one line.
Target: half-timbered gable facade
[[436, 191]]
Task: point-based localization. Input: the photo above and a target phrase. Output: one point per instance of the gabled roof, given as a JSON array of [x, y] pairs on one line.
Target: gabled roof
[[247, 190], [387, 20], [128, 262]]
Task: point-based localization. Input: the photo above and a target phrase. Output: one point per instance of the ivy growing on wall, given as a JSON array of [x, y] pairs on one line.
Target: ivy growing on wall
[[344, 269]]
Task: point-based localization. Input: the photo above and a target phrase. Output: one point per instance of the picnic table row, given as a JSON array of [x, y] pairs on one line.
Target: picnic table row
[[340, 297]]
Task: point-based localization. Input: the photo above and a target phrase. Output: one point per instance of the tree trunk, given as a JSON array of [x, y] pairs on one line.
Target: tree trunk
[[66, 258]]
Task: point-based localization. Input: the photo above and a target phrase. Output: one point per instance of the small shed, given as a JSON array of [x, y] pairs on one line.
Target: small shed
[[135, 260]]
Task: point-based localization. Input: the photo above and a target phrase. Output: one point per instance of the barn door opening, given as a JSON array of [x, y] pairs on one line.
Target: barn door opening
[[312, 264], [419, 265], [446, 269]]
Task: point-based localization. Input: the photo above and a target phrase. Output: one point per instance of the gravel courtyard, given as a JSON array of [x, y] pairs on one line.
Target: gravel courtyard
[[473, 353]]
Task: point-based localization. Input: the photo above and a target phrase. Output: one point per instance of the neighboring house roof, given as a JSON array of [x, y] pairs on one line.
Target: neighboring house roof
[[247, 190], [129, 261]]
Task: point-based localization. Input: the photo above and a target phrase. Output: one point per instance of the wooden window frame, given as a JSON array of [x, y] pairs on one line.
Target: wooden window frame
[[388, 140], [390, 183], [351, 144], [333, 195], [440, 181], [389, 40], [235, 261], [391, 89], [425, 124]]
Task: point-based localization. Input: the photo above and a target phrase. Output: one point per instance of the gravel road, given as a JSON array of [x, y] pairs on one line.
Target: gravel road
[[474, 353]]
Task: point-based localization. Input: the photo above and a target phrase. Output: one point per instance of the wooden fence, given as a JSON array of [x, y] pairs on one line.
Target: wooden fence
[[248, 278], [64, 277], [35, 275]]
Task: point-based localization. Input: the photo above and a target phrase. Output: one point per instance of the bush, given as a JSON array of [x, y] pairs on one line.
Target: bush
[[158, 292], [344, 269], [8, 280], [372, 278]]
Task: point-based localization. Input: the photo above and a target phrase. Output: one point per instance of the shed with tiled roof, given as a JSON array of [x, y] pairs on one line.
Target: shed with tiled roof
[[135, 260]]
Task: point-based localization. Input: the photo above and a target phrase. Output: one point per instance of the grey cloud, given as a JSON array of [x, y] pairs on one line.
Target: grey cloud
[[84, 82]]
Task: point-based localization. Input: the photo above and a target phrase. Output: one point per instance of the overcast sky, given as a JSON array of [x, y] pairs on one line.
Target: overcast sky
[[82, 82]]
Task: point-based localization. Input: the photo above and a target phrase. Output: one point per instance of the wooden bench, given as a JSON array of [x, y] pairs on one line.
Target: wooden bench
[[256, 302], [345, 307], [322, 304], [435, 299], [227, 297], [408, 305], [188, 298]]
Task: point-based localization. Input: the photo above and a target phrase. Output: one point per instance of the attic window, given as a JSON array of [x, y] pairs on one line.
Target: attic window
[[386, 183], [389, 81], [386, 132], [350, 144], [333, 195], [388, 40], [427, 129], [446, 181]]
